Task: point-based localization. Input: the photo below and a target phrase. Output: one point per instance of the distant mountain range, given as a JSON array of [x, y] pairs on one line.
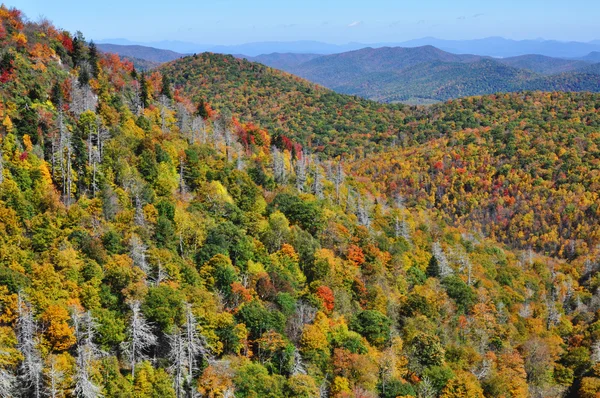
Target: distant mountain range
[[414, 74], [491, 46], [427, 74]]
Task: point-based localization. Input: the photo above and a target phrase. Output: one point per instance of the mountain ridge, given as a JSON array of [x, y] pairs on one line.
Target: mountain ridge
[[490, 46]]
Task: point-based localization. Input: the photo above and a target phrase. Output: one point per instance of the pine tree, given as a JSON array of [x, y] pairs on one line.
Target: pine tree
[[166, 88], [93, 59], [144, 95], [201, 110]]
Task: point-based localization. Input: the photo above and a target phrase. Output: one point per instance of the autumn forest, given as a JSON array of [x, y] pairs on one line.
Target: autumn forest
[[217, 228]]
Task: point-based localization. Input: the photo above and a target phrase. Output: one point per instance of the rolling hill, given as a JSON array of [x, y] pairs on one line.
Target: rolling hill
[[594, 56], [543, 64], [285, 104]]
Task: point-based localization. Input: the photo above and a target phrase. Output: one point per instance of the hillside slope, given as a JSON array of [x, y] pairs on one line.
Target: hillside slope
[[299, 107], [151, 246], [285, 104]]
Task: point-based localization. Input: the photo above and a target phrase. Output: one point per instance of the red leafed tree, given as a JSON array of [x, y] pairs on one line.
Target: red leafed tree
[[356, 255], [326, 295]]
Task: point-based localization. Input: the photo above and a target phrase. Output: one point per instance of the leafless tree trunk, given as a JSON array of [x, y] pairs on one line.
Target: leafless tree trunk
[[240, 160], [301, 173], [8, 384], [32, 365], [183, 120], [278, 165], [164, 103], [140, 337], [55, 377], [362, 214], [339, 180], [177, 357], [1, 167], [87, 353], [138, 253], [317, 187], [198, 130], [139, 217], [182, 187], [442, 260]]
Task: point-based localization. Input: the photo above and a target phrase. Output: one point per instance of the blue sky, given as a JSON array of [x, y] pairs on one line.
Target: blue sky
[[334, 21]]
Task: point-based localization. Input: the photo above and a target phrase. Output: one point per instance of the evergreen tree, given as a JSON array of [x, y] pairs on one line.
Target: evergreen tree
[[94, 59], [145, 96], [78, 53], [202, 112], [166, 88]]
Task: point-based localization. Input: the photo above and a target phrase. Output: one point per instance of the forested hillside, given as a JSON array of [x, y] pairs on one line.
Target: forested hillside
[[522, 158], [289, 107], [195, 232]]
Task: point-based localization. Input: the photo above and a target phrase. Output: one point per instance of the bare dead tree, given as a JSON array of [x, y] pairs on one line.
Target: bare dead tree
[[182, 187], [228, 144], [183, 120], [185, 345], [177, 357], [401, 229], [362, 214], [54, 378], [138, 253], [317, 185], [87, 353], [339, 180], [161, 274], [140, 337], [300, 169], [82, 98], [135, 98], [27, 341], [240, 165], [305, 313], [199, 130], [62, 158], [1, 167], [442, 260], [298, 366], [8, 384], [165, 106], [278, 166]]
